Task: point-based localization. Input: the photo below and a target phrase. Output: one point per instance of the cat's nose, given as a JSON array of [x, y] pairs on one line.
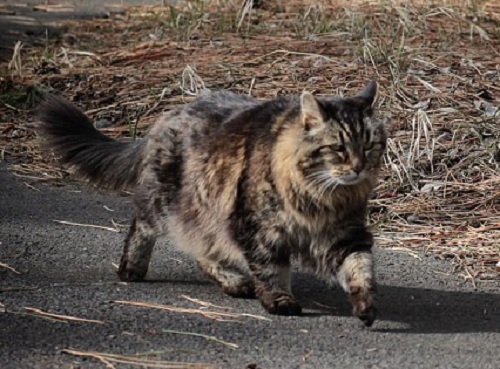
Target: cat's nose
[[357, 165]]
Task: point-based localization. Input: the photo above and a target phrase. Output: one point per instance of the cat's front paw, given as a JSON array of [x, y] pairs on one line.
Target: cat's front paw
[[280, 303], [363, 305], [129, 272]]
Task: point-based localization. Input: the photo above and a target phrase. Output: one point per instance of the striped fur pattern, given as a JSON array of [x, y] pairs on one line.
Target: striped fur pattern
[[246, 186]]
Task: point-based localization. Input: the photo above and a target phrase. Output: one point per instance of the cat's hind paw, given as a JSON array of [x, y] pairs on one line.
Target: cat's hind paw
[[131, 273], [280, 304], [242, 291]]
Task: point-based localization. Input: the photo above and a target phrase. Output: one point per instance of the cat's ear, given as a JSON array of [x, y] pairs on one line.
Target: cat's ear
[[369, 94], [311, 112]]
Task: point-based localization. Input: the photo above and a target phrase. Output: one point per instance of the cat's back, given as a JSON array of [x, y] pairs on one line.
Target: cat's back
[[225, 98], [202, 117], [216, 107]]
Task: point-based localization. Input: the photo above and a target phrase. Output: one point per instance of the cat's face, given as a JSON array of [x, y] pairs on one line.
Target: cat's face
[[342, 143]]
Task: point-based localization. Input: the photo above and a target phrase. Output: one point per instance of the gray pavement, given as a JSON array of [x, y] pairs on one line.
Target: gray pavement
[[428, 319]]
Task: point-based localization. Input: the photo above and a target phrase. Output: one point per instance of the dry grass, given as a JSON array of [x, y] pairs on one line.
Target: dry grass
[[437, 63]]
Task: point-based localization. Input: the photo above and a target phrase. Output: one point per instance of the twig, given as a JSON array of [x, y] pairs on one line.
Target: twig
[[251, 86], [16, 61], [5, 266], [215, 315], [134, 360], [31, 187], [470, 276], [203, 303], [62, 317], [323, 305], [210, 338], [106, 362], [53, 320], [287, 52], [88, 225], [17, 289]]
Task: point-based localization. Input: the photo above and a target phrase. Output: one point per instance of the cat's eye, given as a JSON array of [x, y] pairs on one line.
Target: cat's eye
[[373, 146], [368, 146]]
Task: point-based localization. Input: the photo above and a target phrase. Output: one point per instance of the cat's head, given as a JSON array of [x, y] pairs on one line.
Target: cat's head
[[341, 141]]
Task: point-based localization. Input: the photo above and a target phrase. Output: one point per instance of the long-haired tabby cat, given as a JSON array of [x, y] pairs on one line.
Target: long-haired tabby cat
[[246, 186]]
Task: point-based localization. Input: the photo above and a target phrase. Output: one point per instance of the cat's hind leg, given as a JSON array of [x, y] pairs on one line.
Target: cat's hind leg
[[220, 259], [229, 276], [273, 288], [269, 261], [355, 275], [137, 251]]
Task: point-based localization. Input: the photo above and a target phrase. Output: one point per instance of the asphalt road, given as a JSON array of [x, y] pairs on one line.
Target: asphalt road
[[427, 319]]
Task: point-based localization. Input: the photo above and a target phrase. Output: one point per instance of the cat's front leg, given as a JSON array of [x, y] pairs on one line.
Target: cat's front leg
[[355, 275]]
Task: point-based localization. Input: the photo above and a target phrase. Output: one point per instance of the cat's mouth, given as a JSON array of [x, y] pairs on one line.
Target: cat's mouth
[[352, 178], [327, 182]]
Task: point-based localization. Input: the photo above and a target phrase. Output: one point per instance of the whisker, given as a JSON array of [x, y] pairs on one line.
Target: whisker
[[313, 180], [325, 187], [316, 175], [321, 183], [317, 178], [334, 186], [322, 180]]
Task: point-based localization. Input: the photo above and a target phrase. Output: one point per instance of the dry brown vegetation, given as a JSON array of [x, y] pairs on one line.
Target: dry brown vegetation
[[438, 64]]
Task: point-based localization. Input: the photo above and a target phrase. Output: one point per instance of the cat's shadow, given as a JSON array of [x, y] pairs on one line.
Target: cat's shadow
[[400, 309], [415, 310]]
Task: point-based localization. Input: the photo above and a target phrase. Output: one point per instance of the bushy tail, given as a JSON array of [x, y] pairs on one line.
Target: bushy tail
[[104, 161]]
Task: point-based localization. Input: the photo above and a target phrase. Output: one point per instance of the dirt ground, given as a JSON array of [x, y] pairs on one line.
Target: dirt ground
[[31, 21]]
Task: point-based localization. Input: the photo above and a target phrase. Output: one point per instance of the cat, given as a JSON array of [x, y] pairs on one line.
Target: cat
[[245, 186]]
